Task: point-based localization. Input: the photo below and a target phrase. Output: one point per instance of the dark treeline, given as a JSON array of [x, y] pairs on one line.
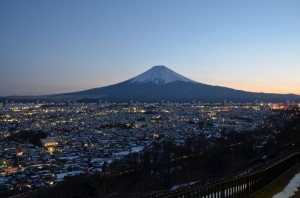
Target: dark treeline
[[116, 125], [33, 137]]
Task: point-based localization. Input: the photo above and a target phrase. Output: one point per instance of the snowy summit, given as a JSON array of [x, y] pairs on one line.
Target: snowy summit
[[159, 75]]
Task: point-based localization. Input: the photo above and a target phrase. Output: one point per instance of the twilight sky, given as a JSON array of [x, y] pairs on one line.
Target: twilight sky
[[56, 46]]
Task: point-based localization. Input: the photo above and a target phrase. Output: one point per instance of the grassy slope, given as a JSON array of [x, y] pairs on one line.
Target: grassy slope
[[280, 184]]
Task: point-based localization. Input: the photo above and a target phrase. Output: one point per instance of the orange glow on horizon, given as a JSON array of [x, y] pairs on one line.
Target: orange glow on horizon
[[269, 87]]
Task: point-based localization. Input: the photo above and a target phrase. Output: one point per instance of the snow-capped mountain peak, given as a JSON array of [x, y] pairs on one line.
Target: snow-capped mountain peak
[[160, 75]]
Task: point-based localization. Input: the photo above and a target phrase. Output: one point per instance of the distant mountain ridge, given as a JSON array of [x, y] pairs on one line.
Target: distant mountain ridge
[[161, 83]]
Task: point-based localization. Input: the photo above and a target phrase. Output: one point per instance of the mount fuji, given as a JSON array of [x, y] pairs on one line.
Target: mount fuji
[[160, 83]]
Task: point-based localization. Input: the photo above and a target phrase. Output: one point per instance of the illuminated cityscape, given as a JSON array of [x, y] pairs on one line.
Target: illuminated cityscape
[[43, 144]]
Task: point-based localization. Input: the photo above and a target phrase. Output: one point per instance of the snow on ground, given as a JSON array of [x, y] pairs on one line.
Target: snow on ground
[[122, 153], [98, 160], [290, 189], [61, 176], [69, 158], [176, 187], [3, 180], [136, 149]]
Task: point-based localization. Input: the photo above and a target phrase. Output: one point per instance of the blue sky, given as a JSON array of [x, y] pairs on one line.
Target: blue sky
[[56, 46]]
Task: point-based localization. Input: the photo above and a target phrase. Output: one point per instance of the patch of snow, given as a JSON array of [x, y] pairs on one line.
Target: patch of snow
[[97, 159], [69, 158], [136, 149], [290, 189], [121, 153], [61, 176], [3, 180], [160, 74], [183, 185]]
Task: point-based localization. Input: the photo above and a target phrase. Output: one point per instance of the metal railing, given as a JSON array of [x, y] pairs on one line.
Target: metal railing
[[237, 186]]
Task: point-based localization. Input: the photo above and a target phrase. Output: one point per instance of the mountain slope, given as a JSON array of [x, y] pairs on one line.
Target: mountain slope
[[160, 83]]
